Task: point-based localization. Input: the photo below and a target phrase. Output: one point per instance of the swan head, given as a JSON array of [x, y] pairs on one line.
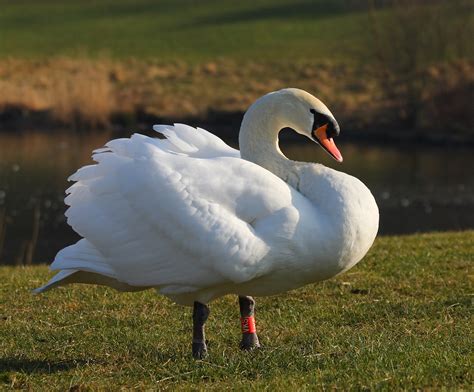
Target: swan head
[[308, 116], [288, 108]]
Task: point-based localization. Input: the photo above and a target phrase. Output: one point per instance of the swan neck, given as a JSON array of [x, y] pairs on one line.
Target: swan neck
[[258, 139]]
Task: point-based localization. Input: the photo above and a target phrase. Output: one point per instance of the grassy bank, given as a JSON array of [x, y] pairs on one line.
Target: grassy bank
[[401, 319]]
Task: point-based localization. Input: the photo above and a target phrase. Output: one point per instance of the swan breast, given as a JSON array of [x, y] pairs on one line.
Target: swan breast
[[347, 212]]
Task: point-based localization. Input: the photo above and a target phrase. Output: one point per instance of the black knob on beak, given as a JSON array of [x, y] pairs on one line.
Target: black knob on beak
[[321, 119], [333, 128]]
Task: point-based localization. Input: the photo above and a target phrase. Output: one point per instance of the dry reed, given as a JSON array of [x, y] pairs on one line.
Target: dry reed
[[74, 92], [86, 93]]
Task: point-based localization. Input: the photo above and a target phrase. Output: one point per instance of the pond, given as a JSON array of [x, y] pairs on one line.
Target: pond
[[417, 188]]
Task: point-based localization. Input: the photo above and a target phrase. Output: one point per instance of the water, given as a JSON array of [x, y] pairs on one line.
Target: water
[[417, 188]]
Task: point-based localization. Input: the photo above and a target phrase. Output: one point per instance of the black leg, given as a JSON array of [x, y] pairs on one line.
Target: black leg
[[200, 315], [249, 332]]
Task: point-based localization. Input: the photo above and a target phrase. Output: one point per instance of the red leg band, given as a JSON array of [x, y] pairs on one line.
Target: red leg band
[[248, 324]]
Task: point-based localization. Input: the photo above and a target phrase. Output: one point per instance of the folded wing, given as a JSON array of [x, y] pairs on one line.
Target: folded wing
[[180, 213]]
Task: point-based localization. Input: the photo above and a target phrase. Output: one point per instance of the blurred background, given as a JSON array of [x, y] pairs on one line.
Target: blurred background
[[398, 76]]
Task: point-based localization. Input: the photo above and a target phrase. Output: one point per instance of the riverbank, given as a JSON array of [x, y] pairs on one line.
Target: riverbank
[[85, 94], [399, 320]]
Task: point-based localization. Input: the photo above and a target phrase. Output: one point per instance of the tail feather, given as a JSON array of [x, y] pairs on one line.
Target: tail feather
[[82, 256], [57, 280], [82, 263], [65, 277]]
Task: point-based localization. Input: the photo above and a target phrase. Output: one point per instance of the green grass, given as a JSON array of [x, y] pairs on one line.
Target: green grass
[[281, 31], [186, 29], [400, 319]]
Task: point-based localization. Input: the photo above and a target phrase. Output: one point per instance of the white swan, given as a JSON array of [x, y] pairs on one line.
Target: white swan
[[195, 219]]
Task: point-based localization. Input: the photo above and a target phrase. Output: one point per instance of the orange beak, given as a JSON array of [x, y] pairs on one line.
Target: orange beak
[[328, 144]]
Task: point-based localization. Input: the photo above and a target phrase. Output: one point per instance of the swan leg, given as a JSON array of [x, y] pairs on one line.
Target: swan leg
[[200, 315], [247, 318]]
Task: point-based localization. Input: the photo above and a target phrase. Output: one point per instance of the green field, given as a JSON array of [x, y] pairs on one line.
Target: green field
[[401, 319], [185, 29], [277, 30]]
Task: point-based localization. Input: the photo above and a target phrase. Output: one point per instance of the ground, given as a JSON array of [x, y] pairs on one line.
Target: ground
[[398, 320]]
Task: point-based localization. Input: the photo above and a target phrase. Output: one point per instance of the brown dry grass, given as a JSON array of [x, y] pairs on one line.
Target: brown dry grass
[[72, 91], [87, 93]]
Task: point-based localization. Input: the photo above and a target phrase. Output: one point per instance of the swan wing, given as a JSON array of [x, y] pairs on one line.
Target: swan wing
[[181, 213]]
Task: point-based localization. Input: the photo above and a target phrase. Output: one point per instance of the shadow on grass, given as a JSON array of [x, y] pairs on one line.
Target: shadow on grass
[[307, 9], [38, 366]]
